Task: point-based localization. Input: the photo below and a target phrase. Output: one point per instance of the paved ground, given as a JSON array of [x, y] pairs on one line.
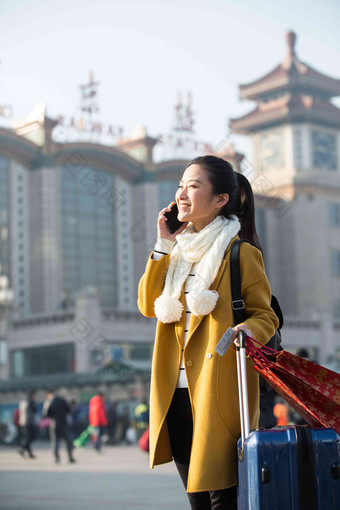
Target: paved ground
[[117, 479]]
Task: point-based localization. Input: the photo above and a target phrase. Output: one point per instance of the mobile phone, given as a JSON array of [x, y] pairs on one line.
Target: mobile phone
[[173, 223]]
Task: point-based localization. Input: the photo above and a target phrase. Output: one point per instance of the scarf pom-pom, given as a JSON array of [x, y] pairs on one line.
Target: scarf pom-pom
[[202, 302], [168, 309]]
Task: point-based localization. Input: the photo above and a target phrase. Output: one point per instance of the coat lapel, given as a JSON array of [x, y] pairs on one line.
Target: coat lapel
[[195, 321], [180, 325]]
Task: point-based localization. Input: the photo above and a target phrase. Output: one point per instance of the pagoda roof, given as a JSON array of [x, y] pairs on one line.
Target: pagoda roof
[[288, 108], [14, 146], [291, 74]]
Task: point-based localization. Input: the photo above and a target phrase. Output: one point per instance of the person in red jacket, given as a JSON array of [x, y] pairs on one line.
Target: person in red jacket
[[97, 417]]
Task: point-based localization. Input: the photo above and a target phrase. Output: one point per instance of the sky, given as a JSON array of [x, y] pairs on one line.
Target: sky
[[143, 53]]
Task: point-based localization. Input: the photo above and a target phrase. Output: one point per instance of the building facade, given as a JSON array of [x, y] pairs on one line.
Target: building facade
[[295, 135], [78, 222]]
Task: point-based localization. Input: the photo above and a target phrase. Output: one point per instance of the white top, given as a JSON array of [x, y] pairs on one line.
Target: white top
[[165, 246]]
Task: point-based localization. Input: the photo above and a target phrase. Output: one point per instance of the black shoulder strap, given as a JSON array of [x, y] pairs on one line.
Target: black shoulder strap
[[236, 296], [237, 302]]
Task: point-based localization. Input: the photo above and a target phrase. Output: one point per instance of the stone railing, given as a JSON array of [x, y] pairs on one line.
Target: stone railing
[[42, 320]]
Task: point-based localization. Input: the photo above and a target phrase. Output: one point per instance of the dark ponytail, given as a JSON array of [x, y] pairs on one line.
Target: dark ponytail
[[223, 179], [244, 209]]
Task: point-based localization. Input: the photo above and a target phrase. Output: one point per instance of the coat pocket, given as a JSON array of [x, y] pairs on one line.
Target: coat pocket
[[227, 393]]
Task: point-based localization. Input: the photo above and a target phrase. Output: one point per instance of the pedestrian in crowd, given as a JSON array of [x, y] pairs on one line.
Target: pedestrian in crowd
[[112, 422], [27, 423], [267, 402], [142, 418], [303, 353], [75, 424], [125, 423], [18, 428], [57, 409], [98, 418], [194, 409], [281, 412]]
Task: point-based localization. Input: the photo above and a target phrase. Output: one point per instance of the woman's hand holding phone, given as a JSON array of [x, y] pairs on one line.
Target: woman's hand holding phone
[[162, 229]]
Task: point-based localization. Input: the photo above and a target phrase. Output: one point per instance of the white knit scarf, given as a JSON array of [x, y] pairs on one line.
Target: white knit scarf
[[206, 247]]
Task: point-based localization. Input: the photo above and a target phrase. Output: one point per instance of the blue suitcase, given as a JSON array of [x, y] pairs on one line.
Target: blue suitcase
[[285, 468]]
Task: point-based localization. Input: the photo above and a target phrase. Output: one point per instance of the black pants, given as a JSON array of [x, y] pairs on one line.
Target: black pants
[[19, 436], [28, 437], [179, 420], [56, 439]]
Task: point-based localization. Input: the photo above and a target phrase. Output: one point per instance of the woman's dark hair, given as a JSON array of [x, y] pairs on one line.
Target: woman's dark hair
[[224, 179]]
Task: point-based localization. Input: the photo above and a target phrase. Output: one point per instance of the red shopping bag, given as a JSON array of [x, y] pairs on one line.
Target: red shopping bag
[[320, 378], [312, 390], [144, 441]]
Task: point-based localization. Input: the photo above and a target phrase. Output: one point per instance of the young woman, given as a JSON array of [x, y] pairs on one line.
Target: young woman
[[194, 409]]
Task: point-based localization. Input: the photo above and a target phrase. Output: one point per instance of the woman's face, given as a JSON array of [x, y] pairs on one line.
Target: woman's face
[[195, 199]]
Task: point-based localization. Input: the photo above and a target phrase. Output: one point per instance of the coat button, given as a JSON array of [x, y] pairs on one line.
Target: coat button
[[209, 355], [188, 363]]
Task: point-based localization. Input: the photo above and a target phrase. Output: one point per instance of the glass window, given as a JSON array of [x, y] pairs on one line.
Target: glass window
[[87, 226], [335, 262], [67, 179], [104, 220], [87, 269], [105, 235], [70, 263], [69, 241], [102, 209], [334, 214], [95, 182], [105, 243], [18, 364], [91, 251], [167, 191], [297, 148], [43, 360], [68, 192], [70, 285], [4, 165], [324, 150], [3, 352], [86, 203], [337, 309], [104, 262], [69, 218], [68, 203], [141, 352]]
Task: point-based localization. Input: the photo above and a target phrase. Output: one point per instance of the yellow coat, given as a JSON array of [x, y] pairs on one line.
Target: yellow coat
[[212, 380]]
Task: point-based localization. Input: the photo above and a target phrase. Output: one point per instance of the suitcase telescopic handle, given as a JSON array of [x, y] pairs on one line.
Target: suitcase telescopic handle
[[242, 386]]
